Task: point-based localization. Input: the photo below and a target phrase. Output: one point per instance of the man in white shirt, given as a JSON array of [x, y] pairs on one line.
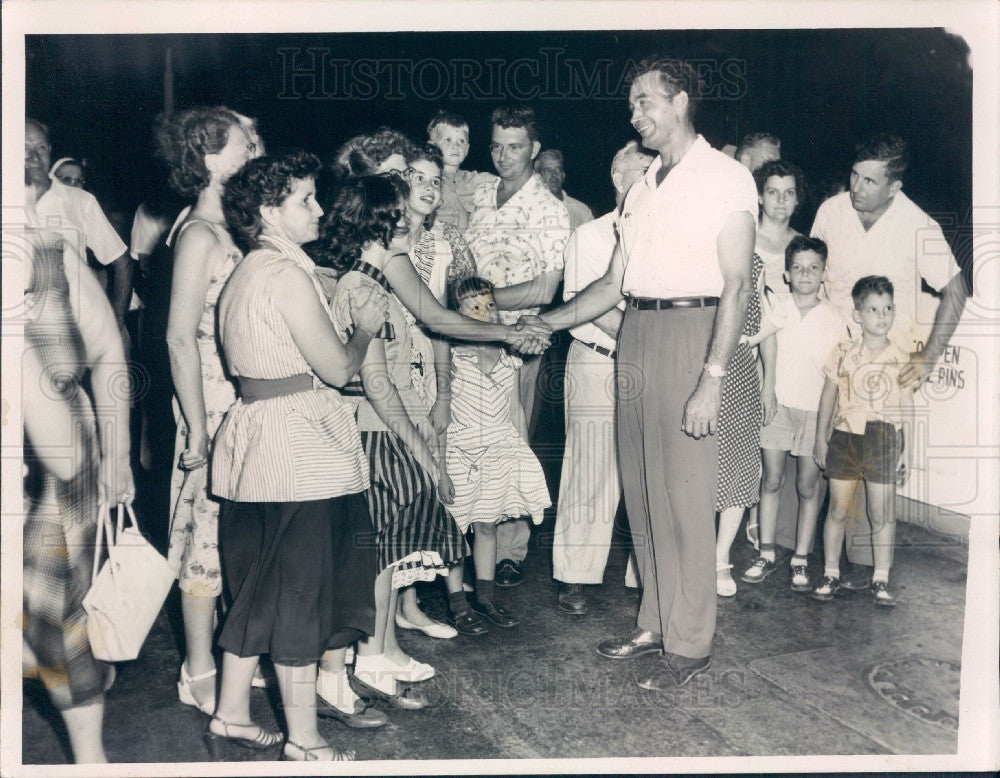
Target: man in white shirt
[[77, 215], [549, 165], [874, 228], [683, 260], [589, 489], [517, 233]]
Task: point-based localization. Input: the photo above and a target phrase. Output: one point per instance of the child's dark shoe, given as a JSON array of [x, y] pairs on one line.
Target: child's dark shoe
[[828, 587]]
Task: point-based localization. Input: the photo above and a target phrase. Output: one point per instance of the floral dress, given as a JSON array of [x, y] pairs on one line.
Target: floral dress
[[194, 526]]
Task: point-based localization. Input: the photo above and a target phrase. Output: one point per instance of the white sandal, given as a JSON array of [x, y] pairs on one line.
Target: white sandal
[[411, 671], [186, 696], [724, 587]]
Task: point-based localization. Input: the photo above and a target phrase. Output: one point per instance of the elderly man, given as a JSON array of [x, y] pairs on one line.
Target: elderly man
[[875, 228], [757, 148], [518, 232], [589, 489], [683, 261], [76, 214], [549, 165]]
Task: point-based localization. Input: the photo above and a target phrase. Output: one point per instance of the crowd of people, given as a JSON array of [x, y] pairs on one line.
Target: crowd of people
[[354, 370]]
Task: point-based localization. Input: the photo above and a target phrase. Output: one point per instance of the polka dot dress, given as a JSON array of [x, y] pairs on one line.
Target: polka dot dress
[[740, 416]]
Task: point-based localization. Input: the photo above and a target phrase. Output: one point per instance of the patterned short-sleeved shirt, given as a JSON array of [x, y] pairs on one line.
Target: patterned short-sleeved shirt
[[868, 385], [519, 241]]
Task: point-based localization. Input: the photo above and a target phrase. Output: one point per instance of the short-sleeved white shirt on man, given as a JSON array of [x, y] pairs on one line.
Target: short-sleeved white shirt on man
[[904, 244], [521, 240], [78, 217], [804, 344], [669, 232], [588, 255]]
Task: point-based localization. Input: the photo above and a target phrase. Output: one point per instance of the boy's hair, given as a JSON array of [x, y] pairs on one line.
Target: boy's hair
[[467, 287], [450, 118], [804, 243], [870, 285], [516, 116]]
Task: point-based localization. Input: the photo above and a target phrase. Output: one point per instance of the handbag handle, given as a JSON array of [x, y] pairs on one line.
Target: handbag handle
[[103, 536]]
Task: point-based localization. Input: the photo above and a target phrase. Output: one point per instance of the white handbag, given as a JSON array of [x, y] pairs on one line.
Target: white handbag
[[127, 591]]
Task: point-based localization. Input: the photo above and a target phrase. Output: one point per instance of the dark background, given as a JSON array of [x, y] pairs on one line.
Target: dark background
[[818, 90]]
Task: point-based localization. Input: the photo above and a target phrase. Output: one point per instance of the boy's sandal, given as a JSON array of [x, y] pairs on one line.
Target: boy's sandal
[[293, 752]]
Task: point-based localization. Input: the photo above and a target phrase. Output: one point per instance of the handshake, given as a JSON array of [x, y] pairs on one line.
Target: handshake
[[530, 335]]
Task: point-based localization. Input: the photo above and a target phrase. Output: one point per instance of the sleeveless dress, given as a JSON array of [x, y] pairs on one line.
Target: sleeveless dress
[[495, 474], [740, 416], [60, 526], [413, 533], [194, 525]]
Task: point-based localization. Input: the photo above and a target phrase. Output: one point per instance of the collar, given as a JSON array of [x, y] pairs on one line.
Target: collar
[[697, 149], [372, 272]]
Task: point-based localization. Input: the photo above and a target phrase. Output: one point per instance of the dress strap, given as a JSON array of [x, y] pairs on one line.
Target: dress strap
[[372, 272]]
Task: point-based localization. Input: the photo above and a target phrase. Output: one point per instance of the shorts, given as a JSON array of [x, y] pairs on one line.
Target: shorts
[[872, 456], [792, 430]]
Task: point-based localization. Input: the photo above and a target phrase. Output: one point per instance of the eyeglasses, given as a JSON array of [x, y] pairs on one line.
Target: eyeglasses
[[513, 148]]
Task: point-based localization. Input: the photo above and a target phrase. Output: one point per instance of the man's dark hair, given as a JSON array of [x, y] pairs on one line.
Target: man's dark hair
[[516, 116], [870, 285], [804, 243], [889, 149], [754, 139], [676, 76]]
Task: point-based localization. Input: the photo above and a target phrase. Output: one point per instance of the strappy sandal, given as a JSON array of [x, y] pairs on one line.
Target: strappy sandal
[[220, 746], [186, 695], [304, 754]]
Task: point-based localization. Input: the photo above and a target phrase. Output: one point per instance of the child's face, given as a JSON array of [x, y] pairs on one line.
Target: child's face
[[875, 314], [453, 142], [481, 307], [424, 178], [806, 272]]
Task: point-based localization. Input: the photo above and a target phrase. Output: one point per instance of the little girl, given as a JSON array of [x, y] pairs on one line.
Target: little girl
[[494, 473]]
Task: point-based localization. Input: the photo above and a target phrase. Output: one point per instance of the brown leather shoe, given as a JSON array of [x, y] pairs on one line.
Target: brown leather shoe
[[572, 599], [639, 643], [672, 671]]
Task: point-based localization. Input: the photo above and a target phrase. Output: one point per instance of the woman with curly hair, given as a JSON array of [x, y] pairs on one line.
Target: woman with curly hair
[[287, 463], [377, 152], [442, 258], [204, 147]]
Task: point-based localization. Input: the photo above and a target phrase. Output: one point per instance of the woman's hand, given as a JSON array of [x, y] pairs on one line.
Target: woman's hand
[[372, 311], [446, 489], [195, 454], [116, 484]]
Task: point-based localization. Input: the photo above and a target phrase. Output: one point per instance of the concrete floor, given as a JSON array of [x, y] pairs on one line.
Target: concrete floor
[[789, 675]]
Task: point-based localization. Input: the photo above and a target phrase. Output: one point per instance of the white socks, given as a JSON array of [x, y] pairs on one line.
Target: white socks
[[832, 572], [334, 688]]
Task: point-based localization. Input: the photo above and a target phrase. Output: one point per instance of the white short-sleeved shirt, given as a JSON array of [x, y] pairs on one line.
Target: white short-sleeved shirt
[[579, 212], [78, 217], [519, 241], [669, 231], [804, 345], [588, 255], [904, 244], [868, 385]]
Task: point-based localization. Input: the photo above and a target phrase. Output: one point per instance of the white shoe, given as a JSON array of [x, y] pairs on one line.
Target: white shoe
[[725, 586], [434, 630], [186, 696], [377, 672], [258, 681], [412, 671]]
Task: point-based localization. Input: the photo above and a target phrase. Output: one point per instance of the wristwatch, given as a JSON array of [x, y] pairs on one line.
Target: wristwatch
[[716, 371]]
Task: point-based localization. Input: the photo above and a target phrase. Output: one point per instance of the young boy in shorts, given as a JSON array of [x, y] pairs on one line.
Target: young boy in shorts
[[450, 133], [807, 328], [859, 435]]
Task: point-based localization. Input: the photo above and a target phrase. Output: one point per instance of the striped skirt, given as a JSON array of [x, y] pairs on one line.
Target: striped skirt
[[413, 532]]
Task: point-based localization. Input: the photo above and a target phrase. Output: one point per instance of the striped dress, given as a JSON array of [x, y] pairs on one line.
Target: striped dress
[[413, 532], [496, 475]]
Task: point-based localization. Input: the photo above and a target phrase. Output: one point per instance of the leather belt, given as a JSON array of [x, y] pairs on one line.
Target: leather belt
[[655, 304], [607, 352], [255, 389]]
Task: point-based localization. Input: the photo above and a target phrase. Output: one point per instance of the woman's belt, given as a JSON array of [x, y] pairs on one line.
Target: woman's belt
[[254, 389], [655, 304]]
